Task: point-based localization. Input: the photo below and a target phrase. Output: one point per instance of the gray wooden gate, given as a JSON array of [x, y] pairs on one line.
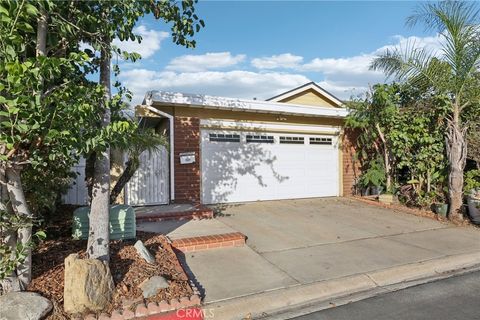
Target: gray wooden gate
[[150, 184], [77, 193]]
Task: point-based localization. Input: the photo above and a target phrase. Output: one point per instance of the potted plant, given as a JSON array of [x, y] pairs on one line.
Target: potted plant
[[473, 201], [374, 177], [440, 206], [472, 189]]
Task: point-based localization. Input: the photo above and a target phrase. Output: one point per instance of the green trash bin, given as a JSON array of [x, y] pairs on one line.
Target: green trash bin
[[122, 222]]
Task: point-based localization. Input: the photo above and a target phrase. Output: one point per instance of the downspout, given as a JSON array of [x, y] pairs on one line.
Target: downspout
[[172, 147]]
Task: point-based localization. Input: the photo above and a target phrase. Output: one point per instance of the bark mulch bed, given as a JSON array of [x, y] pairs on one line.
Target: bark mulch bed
[[128, 270]]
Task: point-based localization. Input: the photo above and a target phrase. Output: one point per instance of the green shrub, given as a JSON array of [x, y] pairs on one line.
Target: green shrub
[[375, 174], [472, 181]]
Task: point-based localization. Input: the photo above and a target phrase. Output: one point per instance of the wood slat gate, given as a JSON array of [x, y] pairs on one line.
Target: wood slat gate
[[150, 184], [77, 194]]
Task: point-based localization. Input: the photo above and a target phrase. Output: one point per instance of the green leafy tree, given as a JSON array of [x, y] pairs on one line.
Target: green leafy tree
[[405, 135], [452, 73], [99, 23], [48, 115], [44, 102], [376, 117]]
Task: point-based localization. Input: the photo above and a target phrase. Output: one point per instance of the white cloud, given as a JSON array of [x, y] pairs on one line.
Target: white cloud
[[352, 75], [432, 43], [285, 60], [204, 62], [151, 42], [343, 76], [352, 65], [236, 83]]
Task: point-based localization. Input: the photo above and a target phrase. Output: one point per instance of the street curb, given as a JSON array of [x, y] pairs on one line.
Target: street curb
[[274, 301]]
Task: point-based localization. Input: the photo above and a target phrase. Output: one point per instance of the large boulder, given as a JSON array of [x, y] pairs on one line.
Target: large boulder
[[88, 285], [23, 305]]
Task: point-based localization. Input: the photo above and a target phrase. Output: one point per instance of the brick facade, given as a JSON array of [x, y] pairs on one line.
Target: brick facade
[[187, 176], [351, 169]]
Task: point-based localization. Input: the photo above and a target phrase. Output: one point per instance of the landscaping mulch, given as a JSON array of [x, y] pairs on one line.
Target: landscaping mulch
[[128, 269]]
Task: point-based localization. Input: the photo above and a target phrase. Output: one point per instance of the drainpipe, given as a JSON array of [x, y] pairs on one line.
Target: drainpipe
[[172, 147]]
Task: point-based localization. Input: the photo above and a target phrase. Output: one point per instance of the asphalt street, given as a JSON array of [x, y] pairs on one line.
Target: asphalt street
[[456, 298]]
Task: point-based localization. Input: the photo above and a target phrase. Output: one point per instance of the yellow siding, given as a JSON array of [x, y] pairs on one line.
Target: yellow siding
[[142, 111], [248, 116], [309, 98]]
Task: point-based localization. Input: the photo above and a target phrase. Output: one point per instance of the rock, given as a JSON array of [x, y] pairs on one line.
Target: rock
[[24, 305], [151, 286], [88, 285], [10, 284], [143, 252]]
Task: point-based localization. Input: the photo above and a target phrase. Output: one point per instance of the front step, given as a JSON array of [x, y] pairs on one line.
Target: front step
[[198, 213], [224, 240]]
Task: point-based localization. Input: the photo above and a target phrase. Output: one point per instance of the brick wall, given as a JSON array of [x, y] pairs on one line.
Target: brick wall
[[187, 176], [351, 169]]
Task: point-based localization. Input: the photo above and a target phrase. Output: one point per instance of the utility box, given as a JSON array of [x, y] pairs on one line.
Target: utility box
[[122, 222]]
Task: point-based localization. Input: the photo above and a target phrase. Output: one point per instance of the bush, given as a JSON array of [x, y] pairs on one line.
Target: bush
[[472, 181], [374, 175]]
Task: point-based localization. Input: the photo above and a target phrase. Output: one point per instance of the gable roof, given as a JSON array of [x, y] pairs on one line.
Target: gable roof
[[308, 86]]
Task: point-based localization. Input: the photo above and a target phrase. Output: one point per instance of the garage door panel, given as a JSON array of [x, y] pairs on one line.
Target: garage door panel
[[241, 171]]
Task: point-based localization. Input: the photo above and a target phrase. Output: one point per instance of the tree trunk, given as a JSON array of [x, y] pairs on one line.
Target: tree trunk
[[457, 157], [99, 236], [41, 48], [127, 174], [19, 206], [386, 158], [89, 173], [8, 237]]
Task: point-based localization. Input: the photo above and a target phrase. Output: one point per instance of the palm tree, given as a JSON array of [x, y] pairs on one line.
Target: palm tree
[[143, 139], [453, 72]]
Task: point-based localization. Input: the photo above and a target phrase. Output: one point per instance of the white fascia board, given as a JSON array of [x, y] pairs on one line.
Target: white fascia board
[[233, 104], [308, 87], [257, 126]]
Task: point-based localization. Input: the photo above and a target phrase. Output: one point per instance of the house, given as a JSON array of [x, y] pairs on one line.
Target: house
[[226, 150]]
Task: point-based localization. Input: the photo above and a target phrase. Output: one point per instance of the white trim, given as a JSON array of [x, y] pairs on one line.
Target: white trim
[[231, 125], [233, 104], [310, 86], [172, 147]]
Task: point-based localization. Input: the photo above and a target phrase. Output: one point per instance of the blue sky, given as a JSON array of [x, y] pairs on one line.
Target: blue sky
[[261, 48]]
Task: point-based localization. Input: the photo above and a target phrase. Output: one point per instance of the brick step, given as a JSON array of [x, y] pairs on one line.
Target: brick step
[[233, 239], [197, 214]]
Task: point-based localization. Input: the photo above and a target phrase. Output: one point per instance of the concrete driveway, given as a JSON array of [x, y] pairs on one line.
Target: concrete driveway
[[297, 242]]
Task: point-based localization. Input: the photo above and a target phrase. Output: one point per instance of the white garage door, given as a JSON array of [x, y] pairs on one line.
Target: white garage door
[[250, 166]]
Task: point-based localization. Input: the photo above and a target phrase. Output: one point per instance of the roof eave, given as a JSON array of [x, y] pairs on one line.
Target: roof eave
[[333, 113]]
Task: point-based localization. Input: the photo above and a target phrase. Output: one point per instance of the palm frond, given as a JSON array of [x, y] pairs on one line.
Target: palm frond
[[145, 139], [438, 16], [453, 72], [417, 65]]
